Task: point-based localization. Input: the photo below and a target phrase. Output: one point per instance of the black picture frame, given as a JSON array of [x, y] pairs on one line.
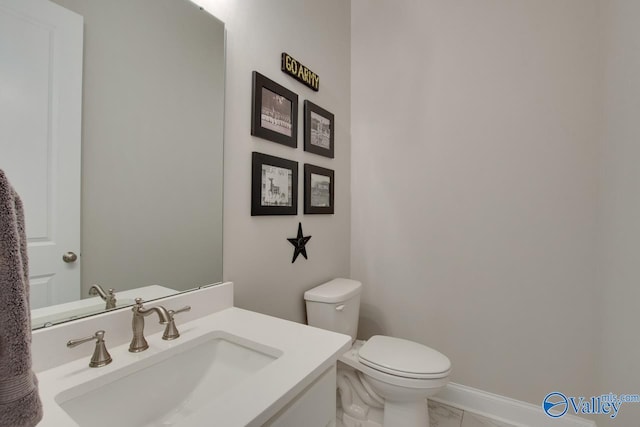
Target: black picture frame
[[274, 112], [316, 199], [267, 194], [315, 133]]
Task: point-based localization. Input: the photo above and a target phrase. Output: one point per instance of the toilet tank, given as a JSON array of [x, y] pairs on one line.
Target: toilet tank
[[335, 306]]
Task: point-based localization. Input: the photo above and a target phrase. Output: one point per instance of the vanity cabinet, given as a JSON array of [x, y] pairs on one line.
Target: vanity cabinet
[[234, 366], [315, 406]]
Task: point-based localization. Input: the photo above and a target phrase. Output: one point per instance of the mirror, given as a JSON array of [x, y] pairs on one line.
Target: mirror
[[151, 156]]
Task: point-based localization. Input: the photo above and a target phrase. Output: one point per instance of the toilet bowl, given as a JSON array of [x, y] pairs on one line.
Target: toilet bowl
[[383, 381]]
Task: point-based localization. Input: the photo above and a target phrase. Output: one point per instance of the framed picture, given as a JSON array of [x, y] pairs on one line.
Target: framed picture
[[274, 112], [318, 130], [274, 186], [318, 190]]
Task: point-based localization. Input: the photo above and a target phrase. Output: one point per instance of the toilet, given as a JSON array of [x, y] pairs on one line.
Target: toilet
[[383, 381]]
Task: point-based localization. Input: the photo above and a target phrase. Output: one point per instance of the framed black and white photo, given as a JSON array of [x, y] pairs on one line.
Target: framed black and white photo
[[318, 190], [274, 111], [274, 185], [318, 130]]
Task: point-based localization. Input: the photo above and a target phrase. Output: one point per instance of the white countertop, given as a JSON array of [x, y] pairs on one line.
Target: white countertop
[[306, 353]]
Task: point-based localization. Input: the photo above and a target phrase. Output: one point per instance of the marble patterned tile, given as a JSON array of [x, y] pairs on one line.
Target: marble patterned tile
[[469, 419], [441, 415]]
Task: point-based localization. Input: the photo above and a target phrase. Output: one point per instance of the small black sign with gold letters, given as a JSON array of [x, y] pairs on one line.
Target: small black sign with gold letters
[[298, 71]]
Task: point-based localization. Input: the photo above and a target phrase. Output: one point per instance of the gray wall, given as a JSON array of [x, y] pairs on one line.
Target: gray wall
[[619, 279], [257, 255], [474, 175], [151, 144]]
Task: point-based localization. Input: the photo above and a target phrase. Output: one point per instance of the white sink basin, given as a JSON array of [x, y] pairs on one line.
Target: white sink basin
[[168, 387]]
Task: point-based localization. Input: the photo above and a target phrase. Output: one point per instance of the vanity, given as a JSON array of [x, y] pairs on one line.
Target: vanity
[[229, 367]]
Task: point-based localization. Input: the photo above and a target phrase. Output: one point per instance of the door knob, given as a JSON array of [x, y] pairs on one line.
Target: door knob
[[69, 257]]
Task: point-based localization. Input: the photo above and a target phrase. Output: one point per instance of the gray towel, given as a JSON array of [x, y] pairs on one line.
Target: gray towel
[[20, 404]]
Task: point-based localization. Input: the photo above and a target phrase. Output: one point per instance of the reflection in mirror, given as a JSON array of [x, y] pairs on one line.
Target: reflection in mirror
[[151, 159]]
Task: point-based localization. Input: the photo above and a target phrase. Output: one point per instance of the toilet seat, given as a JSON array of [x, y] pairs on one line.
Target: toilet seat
[[403, 358], [351, 358]]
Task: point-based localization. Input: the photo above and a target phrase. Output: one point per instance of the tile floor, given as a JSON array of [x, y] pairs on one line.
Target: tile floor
[[441, 415]]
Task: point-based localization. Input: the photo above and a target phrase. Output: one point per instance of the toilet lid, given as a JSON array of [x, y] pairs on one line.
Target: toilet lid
[[403, 358]]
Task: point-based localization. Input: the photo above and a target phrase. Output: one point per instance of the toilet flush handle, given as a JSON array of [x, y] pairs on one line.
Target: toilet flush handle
[[340, 307]]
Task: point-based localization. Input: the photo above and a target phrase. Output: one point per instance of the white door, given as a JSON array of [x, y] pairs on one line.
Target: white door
[[40, 120]]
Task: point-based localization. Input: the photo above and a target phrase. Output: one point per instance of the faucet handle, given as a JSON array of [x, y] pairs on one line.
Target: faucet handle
[[138, 305], [170, 331], [111, 299], [101, 356]]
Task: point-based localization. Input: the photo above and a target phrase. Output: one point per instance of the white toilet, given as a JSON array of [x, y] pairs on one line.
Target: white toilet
[[383, 381]]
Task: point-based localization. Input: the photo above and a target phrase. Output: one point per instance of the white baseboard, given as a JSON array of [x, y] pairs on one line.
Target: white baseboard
[[504, 409]]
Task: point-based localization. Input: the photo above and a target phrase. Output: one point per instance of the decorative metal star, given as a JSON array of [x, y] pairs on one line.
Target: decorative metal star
[[299, 242]]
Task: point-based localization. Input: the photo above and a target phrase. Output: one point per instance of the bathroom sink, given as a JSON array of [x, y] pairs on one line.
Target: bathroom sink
[[230, 367], [169, 386]]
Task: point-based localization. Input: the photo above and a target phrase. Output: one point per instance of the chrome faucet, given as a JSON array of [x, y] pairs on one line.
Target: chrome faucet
[[109, 297], [138, 342]]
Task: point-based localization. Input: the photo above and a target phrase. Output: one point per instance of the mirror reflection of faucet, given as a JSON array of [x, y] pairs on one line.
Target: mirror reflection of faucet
[[108, 297]]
